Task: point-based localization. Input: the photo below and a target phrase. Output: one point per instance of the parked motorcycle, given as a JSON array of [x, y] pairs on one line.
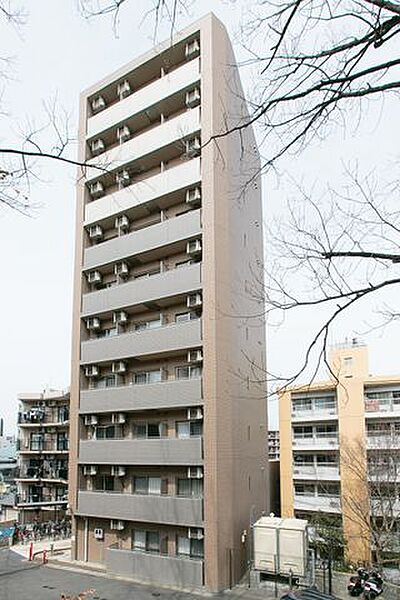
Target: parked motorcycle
[[357, 582], [373, 586]]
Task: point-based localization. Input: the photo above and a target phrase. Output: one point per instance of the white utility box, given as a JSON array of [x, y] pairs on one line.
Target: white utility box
[[280, 545]]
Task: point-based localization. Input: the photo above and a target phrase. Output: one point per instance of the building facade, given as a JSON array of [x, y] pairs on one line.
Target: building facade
[[43, 443], [273, 444], [340, 449], [168, 424]]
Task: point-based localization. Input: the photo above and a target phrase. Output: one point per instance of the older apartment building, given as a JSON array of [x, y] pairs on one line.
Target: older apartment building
[[168, 427], [336, 436], [42, 481]]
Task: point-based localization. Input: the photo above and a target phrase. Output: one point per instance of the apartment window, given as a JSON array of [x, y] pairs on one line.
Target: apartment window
[[301, 405], [150, 430], [186, 316], [104, 382], [108, 432], [153, 324], [329, 431], [104, 483], [36, 441], [62, 414], [62, 441], [327, 403], [146, 541], [188, 547], [186, 429], [329, 490], [303, 432], [188, 372], [190, 487], [304, 489], [147, 485], [148, 377], [109, 332]]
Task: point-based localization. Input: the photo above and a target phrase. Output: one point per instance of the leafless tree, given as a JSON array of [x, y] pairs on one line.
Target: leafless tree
[[374, 504]]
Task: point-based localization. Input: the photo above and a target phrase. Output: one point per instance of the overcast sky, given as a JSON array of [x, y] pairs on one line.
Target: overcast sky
[[59, 53]]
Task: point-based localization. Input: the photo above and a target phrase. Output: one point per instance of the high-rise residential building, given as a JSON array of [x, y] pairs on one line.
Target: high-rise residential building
[[43, 441], [168, 411], [340, 450]]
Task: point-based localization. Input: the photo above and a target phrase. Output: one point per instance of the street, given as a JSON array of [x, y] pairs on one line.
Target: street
[[20, 580]]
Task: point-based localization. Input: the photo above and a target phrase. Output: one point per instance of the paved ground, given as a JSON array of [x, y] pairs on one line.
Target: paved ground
[[21, 580]]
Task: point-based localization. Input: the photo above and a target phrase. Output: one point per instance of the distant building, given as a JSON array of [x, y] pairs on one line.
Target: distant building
[[333, 437], [8, 464], [273, 445], [43, 441], [8, 508]]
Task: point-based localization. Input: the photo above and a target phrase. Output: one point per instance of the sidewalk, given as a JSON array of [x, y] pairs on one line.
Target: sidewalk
[[61, 549]]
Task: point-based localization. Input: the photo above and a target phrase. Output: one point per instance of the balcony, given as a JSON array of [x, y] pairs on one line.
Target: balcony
[[165, 394], [384, 441], [151, 238], [317, 443], [167, 451], [320, 414], [36, 474], [184, 76], [43, 448], [381, 407], [169, 338], [328, 504], [135, 507], [34, 500], [316, 473], [155, 568], [164, 285], [176, 178], [170, 132]]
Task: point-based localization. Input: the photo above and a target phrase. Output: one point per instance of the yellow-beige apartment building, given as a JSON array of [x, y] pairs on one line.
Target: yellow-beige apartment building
[[331, 434], [168, 465]]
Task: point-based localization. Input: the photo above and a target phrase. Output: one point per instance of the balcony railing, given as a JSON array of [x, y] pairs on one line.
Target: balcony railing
[[314, 472], [317, 503], [38, 473], [40, 499]]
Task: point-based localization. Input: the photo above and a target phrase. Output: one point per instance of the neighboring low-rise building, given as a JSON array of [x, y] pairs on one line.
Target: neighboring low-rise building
[[8, 464], [340, 451], [43, 440], [273, 445]]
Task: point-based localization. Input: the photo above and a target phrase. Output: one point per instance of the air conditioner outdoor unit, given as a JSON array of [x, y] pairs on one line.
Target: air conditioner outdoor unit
[[98, 534], [122, 177], [96, 189], [194, 414], [195, 533], [192, 49], [118, 471], [118, 418], [90, 420], [194, 356], [193, 98], [193, 247], [92, 371], [121, 269], [123, 89], [94, 277], [193, 196], [193, 147], [97, 146], [122, 223], [195, 473], [93, 323], [118, 525], [194, 300], [123, 133], [95, 232], [118, 367], [120, 316], [98, 103], [89, 470]]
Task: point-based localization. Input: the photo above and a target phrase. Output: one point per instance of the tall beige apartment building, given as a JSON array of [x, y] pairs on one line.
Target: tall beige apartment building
[[42, 450], [340, 446], [168, 421]]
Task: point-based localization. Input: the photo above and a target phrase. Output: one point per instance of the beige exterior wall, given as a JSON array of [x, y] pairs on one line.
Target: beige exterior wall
[[234, 403]]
